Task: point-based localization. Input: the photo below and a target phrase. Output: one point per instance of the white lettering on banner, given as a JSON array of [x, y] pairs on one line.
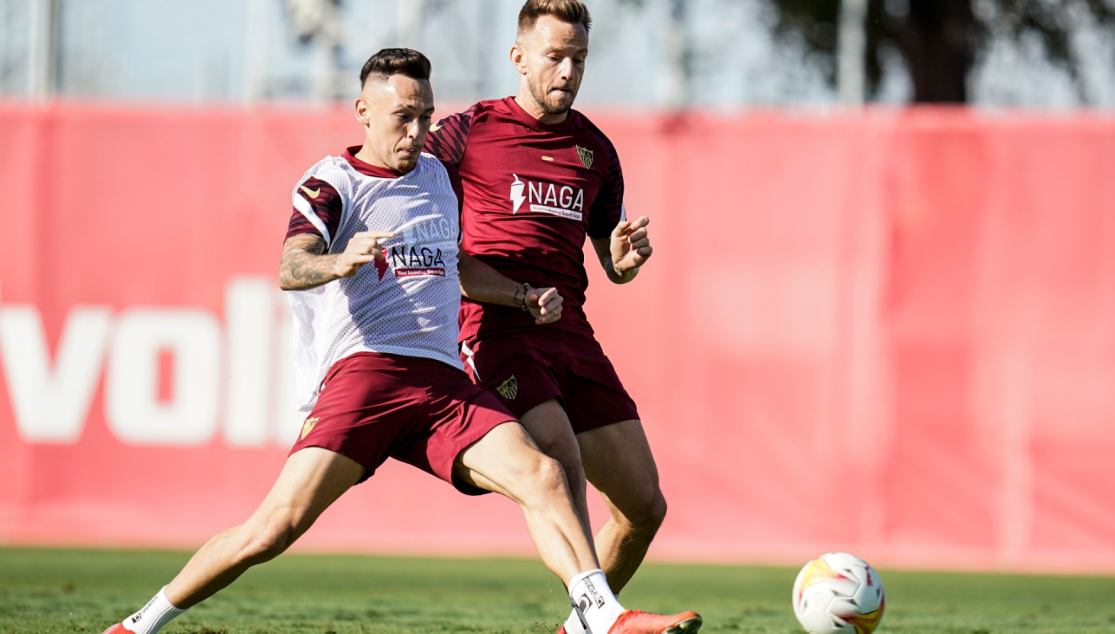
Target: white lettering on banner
[[288, 420], [51, 404], [260, 405], [132, 407], [248, 323]]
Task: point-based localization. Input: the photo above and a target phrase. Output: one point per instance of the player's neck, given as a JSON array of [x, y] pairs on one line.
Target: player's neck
[[368, 157], [530, 107]]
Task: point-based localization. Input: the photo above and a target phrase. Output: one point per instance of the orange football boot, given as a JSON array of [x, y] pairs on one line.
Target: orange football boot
[[636, 622]]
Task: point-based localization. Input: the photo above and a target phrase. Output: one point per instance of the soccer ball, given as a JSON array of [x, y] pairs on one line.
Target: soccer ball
[[838, 592]]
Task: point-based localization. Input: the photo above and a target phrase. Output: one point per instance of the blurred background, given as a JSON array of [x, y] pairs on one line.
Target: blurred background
[[723, 54], [880, 317]]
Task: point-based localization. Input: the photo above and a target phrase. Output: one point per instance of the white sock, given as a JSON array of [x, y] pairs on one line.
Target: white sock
[[573, 624], [153, 616], [594, 602]]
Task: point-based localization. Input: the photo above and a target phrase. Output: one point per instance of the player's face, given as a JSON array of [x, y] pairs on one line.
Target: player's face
[[396, 114], [551, 58]]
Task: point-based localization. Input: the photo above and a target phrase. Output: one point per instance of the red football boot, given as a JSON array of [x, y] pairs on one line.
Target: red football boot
[[117, 629], [636, 622]]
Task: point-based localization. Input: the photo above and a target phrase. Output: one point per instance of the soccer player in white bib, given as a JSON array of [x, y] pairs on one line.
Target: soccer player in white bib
[[375, 280]]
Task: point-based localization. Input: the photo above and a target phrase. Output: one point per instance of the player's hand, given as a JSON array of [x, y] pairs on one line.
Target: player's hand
[[544, 305], [630, 245], [362, 247]]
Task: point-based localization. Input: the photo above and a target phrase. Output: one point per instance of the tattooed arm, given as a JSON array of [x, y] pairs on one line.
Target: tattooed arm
[[306, 265]]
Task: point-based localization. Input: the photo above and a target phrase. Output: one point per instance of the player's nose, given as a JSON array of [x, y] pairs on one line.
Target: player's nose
[[565, 69]]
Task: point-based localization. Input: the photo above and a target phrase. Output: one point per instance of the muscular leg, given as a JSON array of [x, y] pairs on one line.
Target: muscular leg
[[507, 461], [549, 426], [618, 462], [310, 481]]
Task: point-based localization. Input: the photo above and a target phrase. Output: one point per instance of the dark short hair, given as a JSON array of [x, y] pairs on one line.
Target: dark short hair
[[396, 61], [570, 11]]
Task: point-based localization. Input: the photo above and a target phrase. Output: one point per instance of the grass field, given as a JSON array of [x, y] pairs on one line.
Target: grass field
[[56, 591]]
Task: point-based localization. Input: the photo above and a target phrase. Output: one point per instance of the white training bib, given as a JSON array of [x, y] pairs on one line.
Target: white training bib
[[407, 305]]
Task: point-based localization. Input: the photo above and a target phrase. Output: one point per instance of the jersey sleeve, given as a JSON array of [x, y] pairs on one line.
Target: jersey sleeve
[[459, 190], [607, 210], [448, 137], [317, 209], [455, 181]]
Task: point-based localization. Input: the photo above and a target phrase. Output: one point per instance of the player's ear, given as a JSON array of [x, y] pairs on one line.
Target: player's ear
[[518, 58], [362, 111]]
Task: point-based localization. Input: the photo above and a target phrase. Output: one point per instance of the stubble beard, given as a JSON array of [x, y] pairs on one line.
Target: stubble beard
[[405, 165], [540, 96]]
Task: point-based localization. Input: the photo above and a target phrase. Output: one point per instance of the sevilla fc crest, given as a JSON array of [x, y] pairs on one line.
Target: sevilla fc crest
[[509, 389], [307, 427], [586, 156]]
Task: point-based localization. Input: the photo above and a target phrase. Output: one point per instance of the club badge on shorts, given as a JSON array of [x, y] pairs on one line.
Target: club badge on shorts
[[307, 427], [509, 389]]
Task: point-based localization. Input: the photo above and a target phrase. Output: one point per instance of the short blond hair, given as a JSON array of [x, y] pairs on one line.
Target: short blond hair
[[570, 11]]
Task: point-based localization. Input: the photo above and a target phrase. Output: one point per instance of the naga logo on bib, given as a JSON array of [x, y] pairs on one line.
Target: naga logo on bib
[[547, 198], [413, 261], [420, 252]]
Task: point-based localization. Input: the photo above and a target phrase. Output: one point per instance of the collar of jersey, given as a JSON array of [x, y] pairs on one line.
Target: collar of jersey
[[367, 169], [522, 115]]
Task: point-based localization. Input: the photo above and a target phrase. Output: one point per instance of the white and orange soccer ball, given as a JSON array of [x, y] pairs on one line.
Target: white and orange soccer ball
[[838, 593]]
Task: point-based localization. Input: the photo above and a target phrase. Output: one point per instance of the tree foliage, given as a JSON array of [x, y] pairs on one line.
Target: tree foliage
[[940, 39]]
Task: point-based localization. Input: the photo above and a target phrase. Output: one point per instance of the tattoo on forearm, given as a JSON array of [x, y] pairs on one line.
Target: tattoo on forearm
[[305, 266]]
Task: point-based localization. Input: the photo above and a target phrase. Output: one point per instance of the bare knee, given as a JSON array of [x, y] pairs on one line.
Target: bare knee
[[552, 475], [572, 473], [643, 513], [655, 512], [549, 428], [568, 458], [620, 465], [547, 479], [265, 541]]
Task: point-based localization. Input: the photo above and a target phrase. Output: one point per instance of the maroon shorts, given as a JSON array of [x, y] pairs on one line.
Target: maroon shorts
[[423, 412], [527, 369]]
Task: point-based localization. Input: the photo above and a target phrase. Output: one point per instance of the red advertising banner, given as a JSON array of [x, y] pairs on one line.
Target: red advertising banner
[[891, 333]]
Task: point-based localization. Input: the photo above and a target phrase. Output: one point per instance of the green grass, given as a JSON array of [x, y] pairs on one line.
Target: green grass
[[64, 591]]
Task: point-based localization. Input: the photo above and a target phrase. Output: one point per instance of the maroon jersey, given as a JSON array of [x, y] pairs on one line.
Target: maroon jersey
[[532, 192]]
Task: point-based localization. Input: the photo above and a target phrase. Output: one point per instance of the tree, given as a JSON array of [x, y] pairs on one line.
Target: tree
[[939, 39]]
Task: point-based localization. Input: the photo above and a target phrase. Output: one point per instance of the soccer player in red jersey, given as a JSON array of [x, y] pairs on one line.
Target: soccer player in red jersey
[[539, 177], [377, 363]]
